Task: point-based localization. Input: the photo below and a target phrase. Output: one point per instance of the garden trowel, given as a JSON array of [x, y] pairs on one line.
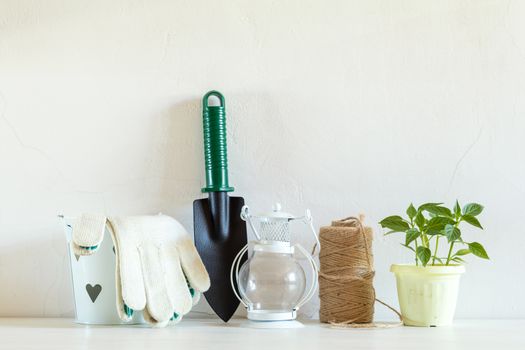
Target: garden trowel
[[220, 233]]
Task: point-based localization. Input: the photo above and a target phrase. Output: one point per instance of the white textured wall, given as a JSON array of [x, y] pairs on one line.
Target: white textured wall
[[339, 106]]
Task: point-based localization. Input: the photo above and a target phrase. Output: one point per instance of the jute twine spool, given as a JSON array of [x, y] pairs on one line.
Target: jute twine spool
[[346, 289]]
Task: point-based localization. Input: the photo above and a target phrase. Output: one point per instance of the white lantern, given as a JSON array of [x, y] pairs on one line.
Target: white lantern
[[272, 285]]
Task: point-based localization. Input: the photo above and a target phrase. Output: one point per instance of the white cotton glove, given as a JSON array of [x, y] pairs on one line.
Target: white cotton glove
[[88, 232], [158, 268]]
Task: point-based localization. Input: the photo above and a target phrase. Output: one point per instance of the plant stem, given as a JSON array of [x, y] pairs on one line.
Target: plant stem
[[449, 252], [435, 251], [452, 243], [415, 241]]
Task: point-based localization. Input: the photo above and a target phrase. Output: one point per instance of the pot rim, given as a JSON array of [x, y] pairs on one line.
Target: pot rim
[[433, 270]]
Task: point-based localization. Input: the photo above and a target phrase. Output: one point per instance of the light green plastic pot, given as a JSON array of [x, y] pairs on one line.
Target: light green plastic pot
[[427, 295]]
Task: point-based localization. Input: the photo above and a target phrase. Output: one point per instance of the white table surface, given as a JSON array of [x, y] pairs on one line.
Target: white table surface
[[193, 334]]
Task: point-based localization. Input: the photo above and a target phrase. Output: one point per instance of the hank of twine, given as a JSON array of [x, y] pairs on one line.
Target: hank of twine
[[346, 289]]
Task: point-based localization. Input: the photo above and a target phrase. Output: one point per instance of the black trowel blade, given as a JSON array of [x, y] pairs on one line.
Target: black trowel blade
[[218, 240]]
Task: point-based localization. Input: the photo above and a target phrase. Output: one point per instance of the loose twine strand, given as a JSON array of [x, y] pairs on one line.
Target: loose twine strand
[[346, 289]]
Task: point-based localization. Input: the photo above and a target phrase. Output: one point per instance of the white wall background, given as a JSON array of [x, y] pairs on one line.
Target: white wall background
[[340, 106]]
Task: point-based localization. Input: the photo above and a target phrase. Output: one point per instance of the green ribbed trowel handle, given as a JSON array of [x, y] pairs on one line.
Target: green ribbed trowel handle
[[215, 148]]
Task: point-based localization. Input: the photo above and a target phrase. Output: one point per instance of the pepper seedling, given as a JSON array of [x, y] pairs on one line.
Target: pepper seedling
[[425, 226]]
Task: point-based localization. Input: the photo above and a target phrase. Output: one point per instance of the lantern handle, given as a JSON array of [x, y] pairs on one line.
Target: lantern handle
[[235, 267], [310, 222], [246, 216], [313, 286]]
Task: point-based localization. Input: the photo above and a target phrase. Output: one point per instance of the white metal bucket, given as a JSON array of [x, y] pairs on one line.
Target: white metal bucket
[[93, 279]]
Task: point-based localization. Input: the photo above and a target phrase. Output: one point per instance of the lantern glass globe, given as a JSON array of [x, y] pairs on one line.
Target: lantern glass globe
[[272, 282]]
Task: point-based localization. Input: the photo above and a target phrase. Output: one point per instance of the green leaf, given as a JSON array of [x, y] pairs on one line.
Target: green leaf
[[427, 205], [412, 234], [440, 260], [395, 223], [473, 209], [457, 209], [409, 247], [452, 233], [423, 254], [438, 210], [420, 220], [389, 233], [411, 211], [472, 220], [478, 250], [463, 252], [437, 224], [457, 259]]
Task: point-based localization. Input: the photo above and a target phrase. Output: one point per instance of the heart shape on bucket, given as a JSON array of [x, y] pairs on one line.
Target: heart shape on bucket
[[93, 291]]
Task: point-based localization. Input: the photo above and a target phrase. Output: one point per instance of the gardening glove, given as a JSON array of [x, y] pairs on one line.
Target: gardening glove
[[88, 232], [158, 269]]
